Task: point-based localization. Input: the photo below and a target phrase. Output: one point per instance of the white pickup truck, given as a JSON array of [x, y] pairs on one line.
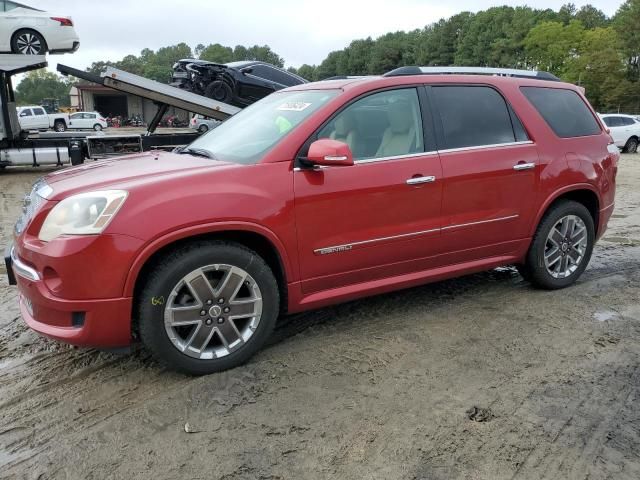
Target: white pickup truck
[[36, 118]]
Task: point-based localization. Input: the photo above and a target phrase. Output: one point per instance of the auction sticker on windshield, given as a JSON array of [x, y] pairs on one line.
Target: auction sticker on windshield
[[293, 106]]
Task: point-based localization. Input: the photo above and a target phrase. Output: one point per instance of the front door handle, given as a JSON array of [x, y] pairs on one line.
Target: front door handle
[[419, 180], [524, 166]]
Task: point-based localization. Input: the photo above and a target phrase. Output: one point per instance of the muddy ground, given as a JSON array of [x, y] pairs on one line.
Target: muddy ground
[[383, 388]]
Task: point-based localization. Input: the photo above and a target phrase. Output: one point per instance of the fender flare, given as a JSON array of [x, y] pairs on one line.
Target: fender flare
[[209, 228], [557, 194]]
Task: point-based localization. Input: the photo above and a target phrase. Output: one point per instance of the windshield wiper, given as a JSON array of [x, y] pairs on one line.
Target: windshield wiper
[[198, 152]]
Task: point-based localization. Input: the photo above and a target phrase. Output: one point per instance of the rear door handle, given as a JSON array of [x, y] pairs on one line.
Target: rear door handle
[[419, 180], [524, 166]]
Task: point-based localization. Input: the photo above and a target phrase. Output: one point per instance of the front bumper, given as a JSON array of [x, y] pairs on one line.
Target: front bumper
[[62, 307]]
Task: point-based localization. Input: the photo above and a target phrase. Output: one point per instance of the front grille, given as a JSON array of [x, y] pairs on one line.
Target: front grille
[[31, 204]]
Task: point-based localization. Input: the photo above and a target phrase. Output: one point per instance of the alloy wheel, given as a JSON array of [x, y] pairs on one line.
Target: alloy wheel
[[213, 311], [29, 44], [566, 246]]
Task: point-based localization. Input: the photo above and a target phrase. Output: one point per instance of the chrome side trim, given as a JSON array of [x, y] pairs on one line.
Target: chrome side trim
[[470, 224], [395, 157], [21, 268], [350, 246], [481, 147]]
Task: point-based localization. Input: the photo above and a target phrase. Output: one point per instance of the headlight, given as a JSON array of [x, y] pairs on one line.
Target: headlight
[[83, 214]]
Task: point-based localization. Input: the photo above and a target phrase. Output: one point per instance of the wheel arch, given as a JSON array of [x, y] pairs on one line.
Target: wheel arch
[[586, 194], [256, 238]]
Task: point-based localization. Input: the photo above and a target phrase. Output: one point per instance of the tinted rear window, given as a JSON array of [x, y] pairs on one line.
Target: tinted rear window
[[563, 110], [476, 116]]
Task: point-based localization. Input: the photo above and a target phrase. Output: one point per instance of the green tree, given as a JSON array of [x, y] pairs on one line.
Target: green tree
[[625, 22], [549, 45], [591, 17], [217, 53], [599, 66], [40, 84]]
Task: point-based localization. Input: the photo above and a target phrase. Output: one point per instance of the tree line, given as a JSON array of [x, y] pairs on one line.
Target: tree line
[[582, 46]]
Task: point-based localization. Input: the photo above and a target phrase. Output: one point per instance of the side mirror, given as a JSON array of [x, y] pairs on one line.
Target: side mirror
[[330, 153], [246, 70]]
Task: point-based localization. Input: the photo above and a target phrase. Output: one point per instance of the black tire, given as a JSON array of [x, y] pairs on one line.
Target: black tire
[[219, 91], [28, 42], [203, 128], [60, 126], [534, 269], [631, 146], [97, 127], [170, 270]]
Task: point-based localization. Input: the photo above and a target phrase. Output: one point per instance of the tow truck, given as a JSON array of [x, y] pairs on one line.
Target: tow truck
[[63, 148]]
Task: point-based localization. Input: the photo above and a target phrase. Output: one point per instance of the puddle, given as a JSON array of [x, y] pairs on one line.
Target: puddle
[[605, 315]]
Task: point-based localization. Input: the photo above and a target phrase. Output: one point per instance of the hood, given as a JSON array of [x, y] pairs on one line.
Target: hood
[[127, 172]]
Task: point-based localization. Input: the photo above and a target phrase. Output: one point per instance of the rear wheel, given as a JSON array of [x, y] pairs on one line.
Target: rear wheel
[[208, 307], [203, 128], [97, 127], [631, 146], [28, 42], [219, 91], [59, 126], [561, 247]]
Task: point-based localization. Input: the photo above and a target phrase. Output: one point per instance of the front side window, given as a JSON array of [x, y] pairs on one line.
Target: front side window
[[75, 116], [385, 124], [26, 112], [474, 116], [563, 110], [251, 133]]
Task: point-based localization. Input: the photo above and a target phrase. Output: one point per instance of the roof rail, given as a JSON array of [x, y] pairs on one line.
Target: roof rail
[[503, 72]]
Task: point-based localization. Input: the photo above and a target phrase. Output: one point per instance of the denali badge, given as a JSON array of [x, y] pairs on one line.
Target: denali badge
[[328, 250]]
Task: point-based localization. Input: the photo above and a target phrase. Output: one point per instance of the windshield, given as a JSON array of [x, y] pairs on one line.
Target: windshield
[[249, 134]]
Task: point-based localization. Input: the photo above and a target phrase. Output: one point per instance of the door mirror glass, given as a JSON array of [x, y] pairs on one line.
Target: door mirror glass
[[327, 152], [247, 70]]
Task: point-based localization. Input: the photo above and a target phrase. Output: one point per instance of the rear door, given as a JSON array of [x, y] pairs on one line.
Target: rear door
[[617, 129], [381, 216], [40, 118], [490, 170]]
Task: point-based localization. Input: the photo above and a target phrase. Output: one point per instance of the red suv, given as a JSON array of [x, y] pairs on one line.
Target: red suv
[[317, 194]]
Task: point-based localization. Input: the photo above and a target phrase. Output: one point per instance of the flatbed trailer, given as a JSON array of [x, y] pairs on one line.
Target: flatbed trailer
[[53, 148]]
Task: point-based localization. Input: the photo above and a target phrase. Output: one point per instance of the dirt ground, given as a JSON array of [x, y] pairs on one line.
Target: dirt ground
[[477, 378]]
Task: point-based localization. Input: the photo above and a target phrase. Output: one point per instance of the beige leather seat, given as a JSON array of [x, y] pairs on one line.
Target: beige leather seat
[[345, 131], [400, 137]]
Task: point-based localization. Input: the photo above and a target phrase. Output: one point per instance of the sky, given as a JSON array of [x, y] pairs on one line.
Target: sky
[[300, 31]]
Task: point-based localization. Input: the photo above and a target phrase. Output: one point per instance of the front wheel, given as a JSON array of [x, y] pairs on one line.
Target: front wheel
[[220, 91], [631, 146], [208, 307], [561, 247]]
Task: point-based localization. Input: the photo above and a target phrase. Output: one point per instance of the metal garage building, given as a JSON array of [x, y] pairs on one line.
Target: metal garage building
[[108, 102]]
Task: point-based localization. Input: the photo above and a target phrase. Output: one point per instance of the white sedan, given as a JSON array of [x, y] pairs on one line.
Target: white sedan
[[27, 30], [87, 121]]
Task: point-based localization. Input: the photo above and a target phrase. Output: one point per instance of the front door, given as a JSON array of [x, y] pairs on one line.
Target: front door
[[381, 216], [490, 170]]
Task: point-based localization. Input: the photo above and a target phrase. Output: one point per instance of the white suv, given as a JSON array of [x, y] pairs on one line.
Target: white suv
[[625, 130]]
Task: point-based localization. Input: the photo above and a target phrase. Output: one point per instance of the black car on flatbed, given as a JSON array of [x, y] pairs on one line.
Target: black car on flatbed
[[237, 83]]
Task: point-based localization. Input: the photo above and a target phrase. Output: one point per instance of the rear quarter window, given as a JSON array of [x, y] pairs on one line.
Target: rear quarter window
[[563, 110]]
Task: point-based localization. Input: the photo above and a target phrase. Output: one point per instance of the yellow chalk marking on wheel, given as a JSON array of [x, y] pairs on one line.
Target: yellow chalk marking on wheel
[[157, 301]]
